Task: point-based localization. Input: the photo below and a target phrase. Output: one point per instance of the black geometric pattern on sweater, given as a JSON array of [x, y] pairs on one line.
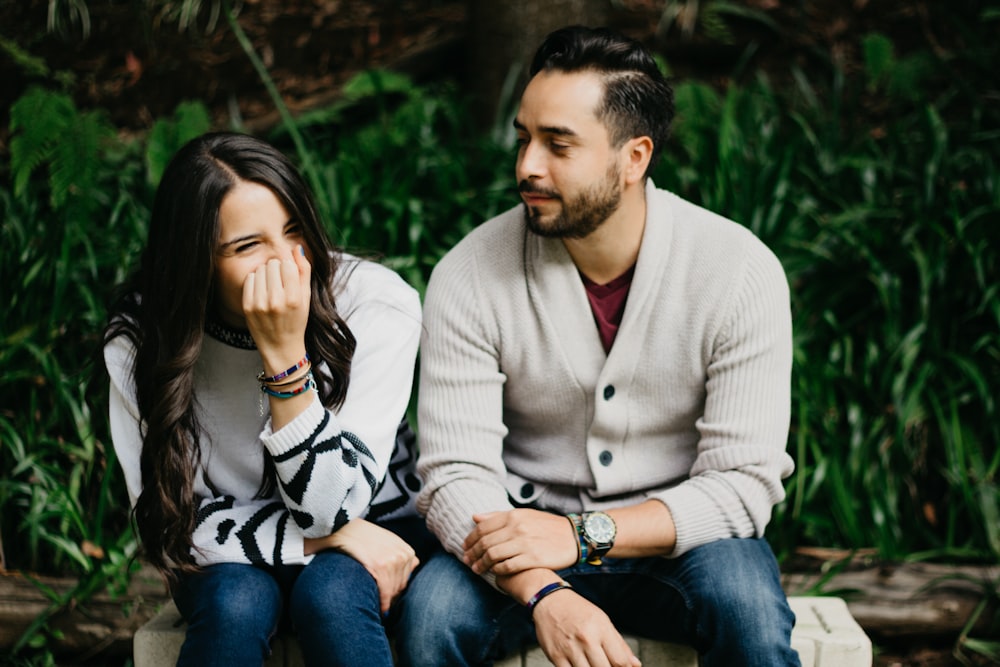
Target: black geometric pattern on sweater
[[224, 503], [296, 487], [340, 519], [279, 539], [303, 519], [401, 484], [305, 444], [223, 532], [246, 533], [364, 451]]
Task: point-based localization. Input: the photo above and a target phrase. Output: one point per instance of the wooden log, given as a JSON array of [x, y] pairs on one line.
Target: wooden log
[[916, 600], [908, 600], [101, 624]]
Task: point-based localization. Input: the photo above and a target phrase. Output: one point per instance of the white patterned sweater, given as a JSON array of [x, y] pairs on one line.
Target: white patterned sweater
[[331, 465]]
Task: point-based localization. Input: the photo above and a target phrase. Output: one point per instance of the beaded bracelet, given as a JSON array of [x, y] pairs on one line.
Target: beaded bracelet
[[289, 380], [546, 590], [306, 386], [274, 378]]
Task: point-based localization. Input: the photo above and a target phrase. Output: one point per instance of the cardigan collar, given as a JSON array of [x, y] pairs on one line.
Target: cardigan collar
[[555, 285]]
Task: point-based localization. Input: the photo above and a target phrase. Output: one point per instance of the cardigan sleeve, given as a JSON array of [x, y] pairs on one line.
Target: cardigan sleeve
[[461, 404], [736, 477]]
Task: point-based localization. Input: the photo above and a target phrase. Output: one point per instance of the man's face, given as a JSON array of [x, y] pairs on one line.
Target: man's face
[[568, 173]]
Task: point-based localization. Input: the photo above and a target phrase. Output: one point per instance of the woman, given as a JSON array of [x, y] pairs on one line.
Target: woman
[[258, 379]]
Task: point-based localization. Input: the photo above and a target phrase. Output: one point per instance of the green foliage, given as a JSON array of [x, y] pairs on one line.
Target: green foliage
[[711, 16], [888, 232], [890, 240], [48, 129], [388, 187], [66, 16], [72, 219], [190, 120]]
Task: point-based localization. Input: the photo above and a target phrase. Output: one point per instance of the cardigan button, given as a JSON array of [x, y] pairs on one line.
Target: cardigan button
[[527, 490], [609, 391], [605, 458]]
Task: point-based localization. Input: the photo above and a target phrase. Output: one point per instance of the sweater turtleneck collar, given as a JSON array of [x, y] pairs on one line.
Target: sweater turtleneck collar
[[233, 337]]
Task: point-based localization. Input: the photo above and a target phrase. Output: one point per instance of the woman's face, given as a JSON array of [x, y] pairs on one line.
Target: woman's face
[[254, 227]]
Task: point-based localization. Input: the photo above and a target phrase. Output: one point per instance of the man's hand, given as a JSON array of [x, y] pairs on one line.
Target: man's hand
[[574, 632], [506, 543]]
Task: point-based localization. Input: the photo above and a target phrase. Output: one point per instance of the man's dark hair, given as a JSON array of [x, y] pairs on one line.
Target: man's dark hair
[[638, 99]]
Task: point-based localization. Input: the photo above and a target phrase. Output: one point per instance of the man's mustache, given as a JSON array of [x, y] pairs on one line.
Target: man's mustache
[[527, 188]]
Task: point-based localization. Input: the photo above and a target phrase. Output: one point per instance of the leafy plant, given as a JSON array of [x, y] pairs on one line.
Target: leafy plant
[[888, 240]]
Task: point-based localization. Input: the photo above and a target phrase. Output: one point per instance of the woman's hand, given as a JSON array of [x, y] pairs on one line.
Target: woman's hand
[[276, 305], [386, 556]]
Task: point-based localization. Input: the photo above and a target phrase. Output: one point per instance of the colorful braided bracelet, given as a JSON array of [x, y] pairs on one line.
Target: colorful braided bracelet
[[306, 386], [274, 378]]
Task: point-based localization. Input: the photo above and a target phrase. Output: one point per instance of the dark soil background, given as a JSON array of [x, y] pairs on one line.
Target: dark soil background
[[138, 66]]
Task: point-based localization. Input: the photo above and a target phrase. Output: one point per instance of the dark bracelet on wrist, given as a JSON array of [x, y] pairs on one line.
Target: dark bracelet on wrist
[[546, 590]]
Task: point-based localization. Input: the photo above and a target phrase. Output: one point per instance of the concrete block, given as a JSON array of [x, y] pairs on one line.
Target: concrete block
[[825, 625], [825, 635]]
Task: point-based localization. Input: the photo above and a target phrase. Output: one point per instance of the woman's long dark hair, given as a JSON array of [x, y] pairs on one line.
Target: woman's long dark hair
[[164, 309]]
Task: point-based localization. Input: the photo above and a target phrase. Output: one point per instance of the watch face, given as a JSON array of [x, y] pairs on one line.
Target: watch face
[[599, 527]]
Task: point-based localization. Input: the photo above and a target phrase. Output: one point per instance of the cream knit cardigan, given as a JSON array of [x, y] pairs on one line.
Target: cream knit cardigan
[[519, 405]]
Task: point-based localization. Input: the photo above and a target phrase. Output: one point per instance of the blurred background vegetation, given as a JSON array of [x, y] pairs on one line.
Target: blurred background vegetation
[[859, 141]]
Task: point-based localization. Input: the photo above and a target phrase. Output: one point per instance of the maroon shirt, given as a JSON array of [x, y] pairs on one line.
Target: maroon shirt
[[608, 303]]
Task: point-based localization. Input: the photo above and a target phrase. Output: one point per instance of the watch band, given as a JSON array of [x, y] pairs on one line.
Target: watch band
[[582, 546]]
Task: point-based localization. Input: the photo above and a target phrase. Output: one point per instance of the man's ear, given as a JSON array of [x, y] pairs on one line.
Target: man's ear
[[637, 153]]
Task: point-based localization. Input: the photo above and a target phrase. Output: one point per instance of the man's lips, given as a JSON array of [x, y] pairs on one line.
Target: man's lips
[[536, 198]]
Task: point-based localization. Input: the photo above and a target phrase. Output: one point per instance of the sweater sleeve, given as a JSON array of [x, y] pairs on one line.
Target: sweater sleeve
[[226, 530], [741, 459], [330, 463], [461, 403]]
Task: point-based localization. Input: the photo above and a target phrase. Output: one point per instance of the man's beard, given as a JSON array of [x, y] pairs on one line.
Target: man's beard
[[579, 216]]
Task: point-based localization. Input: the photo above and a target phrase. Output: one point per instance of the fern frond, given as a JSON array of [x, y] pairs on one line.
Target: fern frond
[[38, 121], [76, 158]]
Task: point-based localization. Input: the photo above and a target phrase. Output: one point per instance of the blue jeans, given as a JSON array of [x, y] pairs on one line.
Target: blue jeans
[[332, 604], [724, 599]]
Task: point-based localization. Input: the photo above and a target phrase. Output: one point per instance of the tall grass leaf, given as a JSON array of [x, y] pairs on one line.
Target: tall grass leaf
[[939, 146]]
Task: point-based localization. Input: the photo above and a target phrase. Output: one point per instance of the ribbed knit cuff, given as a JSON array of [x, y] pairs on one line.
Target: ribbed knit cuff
[[296, 431]]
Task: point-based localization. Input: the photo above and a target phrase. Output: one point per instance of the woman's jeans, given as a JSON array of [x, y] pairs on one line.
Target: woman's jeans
[[724, 599], [332, 605]]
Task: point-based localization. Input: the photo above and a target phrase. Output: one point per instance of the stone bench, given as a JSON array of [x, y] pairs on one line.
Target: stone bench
[[825, 635]]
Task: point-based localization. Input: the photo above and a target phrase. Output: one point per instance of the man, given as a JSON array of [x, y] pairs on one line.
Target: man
[[604, 398]]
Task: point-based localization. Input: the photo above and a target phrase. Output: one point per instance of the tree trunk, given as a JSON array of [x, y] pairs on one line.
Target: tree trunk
[[503, 37]]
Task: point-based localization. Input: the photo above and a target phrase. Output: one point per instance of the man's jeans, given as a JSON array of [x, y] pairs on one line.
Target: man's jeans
[[724, 599]]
